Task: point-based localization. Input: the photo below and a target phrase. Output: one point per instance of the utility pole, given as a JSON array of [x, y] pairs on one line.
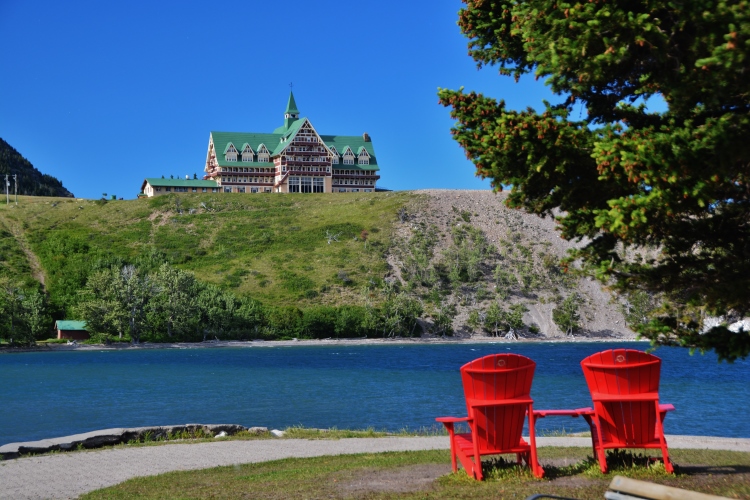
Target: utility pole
[[7, 184], [15, 186]]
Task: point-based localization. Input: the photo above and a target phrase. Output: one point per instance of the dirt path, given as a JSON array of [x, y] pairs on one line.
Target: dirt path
[[14, 228]]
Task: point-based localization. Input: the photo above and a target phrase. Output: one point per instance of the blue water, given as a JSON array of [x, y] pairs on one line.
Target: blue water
[[49, 394]]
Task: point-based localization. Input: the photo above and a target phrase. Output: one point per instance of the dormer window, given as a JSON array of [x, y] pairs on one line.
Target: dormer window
[[247, 153], [230, 152], [348, 156], [364, 157], [263, 154]]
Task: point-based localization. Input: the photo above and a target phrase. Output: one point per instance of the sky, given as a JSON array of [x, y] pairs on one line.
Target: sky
[[102, 95]]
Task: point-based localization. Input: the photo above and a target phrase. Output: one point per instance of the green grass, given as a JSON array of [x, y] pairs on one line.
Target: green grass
[[13, 262], [362, 476], [273, 248]]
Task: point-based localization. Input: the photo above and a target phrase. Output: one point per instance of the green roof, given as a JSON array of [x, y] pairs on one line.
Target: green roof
[[154, 181], [275, 146], [70, 325]]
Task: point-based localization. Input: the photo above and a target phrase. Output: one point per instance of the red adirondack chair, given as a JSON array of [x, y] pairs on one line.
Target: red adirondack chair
[[497, 389], [624, 386]]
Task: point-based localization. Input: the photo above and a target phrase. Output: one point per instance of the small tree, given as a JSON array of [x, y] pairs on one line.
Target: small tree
[[514, 320], [36, 315], [442, 319], [494, 318], [566, 315]]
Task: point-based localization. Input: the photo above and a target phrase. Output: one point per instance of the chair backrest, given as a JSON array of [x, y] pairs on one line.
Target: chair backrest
[[628, 373], [622, 372], [497, 378]]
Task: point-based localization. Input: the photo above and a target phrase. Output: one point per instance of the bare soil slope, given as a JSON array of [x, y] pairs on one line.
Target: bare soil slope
[[601, 316]]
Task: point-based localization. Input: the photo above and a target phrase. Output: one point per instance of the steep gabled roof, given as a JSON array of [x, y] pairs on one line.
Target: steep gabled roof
[[291, 106], [275, 146], [355, 142], [254, 140]]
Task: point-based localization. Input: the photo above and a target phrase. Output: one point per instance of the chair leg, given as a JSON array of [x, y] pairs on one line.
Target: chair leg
[[596, 442], [536, 469], [451, 434], [602, 457], [660, 430], [477, 469]]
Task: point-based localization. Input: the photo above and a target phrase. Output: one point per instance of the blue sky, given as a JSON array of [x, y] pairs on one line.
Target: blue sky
[[104, 94]]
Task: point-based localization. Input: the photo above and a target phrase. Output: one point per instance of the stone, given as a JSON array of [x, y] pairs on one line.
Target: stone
[[110, 437]]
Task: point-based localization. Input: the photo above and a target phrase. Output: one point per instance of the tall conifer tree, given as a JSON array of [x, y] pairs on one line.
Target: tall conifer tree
[[673, 185]]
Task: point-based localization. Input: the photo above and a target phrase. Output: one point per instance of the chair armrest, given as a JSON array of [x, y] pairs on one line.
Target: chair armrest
[[558, 413], [484, 403], [646, 396], [452, 419], [666, 407]]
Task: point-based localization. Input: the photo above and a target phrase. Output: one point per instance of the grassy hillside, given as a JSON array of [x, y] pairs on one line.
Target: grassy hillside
[[459, 261], [314, 248]]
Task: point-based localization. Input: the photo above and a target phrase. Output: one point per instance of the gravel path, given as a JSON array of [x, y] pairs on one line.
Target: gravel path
[[68, 475]]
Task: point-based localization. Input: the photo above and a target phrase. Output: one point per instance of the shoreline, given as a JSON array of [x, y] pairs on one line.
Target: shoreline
[[212, 344]]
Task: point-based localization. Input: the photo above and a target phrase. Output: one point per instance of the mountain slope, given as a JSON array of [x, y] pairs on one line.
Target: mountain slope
[[30, 180], [519, 267]]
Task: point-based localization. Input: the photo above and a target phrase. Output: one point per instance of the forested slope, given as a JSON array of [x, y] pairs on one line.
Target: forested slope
[[30, 180]]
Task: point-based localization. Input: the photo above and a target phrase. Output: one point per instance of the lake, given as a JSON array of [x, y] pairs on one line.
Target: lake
[[390, 387]]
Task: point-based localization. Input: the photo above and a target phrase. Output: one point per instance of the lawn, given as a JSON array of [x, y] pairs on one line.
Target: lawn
[[426, 474]]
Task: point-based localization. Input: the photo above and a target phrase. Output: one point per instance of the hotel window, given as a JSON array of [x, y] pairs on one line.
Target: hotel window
[[267, 190], [368, 190], [318, 185], [204, 190], [241, 189], [253, 190], [227, 189]]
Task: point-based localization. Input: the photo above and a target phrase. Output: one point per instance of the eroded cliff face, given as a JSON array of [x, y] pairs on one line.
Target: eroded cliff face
[[519, 269]]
